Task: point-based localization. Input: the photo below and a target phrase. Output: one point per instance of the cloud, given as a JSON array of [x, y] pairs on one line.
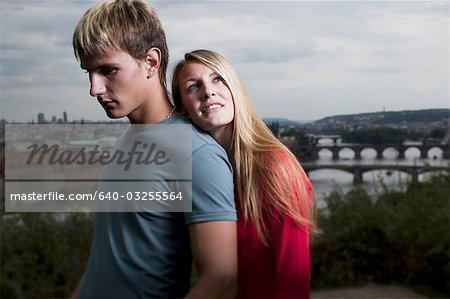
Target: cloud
[[298, 59]]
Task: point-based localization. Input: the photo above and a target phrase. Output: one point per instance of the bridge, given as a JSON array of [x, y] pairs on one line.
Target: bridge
[[358, 169], [309, 156], [311, 151]]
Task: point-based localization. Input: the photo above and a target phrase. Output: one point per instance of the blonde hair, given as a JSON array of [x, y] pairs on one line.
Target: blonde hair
[[129, 25], [257, 153]]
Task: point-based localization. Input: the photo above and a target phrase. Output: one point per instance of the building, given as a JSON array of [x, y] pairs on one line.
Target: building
[[41, 118]]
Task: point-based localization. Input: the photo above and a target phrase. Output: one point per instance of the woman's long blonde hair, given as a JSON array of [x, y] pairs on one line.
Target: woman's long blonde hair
[[259, 173]]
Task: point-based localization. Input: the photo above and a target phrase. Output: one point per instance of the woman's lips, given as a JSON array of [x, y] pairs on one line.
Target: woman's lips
[[211, 107]]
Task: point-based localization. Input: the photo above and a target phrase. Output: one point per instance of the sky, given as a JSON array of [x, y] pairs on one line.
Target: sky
[[301, 60]]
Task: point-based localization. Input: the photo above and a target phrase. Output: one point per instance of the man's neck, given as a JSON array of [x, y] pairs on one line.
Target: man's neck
[[154, 110]]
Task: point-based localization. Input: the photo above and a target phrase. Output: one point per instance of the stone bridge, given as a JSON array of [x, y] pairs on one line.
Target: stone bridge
[[311, 152], [358, 169]]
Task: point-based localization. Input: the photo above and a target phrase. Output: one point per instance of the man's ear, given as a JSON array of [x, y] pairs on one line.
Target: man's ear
[[153, 61]]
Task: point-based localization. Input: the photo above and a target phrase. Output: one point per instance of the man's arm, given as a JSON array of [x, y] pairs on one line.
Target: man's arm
[[212, 223], [214, 249]]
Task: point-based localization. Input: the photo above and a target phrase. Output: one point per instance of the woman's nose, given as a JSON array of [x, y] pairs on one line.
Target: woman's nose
[[208, 92]]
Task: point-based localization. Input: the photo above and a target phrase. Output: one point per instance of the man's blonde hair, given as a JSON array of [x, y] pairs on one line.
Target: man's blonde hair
[[132, 26]]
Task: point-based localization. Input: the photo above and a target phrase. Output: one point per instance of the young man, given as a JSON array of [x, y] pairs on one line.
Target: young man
[[122, 46]]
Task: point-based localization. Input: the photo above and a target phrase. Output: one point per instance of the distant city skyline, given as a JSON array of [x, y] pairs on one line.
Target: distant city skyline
[[41, 118], [300, 60], [63, 118]]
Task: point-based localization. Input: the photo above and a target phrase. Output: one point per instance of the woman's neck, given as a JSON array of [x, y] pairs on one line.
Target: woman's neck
[[224, 136]]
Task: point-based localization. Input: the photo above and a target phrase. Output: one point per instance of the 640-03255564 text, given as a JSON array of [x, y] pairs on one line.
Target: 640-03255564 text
[[136, 195]]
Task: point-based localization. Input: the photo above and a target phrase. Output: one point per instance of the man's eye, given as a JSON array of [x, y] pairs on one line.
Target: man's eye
[[107, 71]]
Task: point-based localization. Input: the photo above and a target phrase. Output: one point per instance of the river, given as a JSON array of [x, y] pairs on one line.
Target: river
[[326, 180]]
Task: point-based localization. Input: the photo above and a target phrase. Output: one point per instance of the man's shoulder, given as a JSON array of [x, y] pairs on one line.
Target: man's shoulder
[[200, 139], [212, 178]]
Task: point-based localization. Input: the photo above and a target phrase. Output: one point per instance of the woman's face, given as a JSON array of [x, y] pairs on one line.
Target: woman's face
[[206, 98]]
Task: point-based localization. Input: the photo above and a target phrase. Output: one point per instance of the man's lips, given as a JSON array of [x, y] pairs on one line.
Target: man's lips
[[107, 103]]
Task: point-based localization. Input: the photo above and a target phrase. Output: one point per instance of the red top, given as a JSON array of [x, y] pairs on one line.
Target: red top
[[279, 271]]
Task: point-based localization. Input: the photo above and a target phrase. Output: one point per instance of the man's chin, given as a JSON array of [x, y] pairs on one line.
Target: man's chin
[[113, 115]]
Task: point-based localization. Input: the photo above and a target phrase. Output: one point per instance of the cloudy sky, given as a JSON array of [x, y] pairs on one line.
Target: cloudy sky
[[301, 60]]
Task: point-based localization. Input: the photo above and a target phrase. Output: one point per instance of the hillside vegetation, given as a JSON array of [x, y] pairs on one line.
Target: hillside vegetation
[[396, 238], [400, 237], [391, 117]]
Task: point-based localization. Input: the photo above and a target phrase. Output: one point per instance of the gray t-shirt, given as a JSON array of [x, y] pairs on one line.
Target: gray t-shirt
[[147, 254]]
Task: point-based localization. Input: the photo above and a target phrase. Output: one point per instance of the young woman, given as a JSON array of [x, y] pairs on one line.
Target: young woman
[[276, 212]]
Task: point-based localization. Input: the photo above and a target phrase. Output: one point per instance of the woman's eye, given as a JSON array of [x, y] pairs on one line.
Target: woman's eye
[[192, 87], [218, 79]]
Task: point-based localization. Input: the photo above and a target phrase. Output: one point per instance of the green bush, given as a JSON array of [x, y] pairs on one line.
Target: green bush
[[398, 237], [43, 255]]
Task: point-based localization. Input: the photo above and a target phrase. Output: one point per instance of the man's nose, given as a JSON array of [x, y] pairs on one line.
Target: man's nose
[[97, 85]]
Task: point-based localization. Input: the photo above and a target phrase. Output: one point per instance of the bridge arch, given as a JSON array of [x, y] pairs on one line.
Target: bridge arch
[[431, 172], [325, 153], [412, 173], [387, 175], [368, 149], [351, 150], [389, 169], [327, 141], [347, 171], [438, 152], [382, 153], [413, 151]]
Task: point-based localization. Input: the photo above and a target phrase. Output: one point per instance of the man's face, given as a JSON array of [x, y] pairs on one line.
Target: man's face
[[118, 81]]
